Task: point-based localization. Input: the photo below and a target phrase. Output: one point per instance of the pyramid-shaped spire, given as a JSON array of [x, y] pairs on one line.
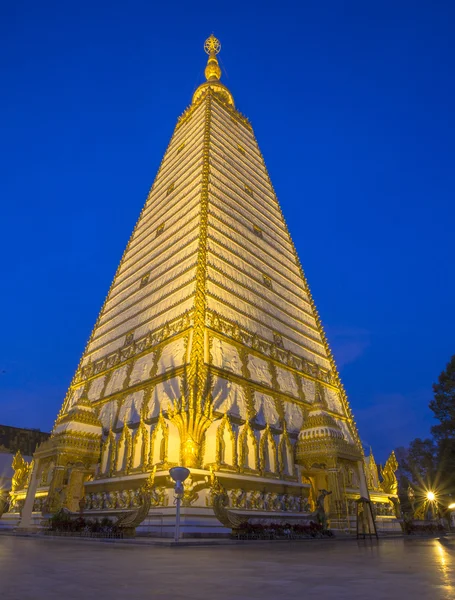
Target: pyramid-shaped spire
[[209, 313]]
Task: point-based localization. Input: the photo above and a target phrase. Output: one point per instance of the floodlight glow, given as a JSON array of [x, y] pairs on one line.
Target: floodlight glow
[[452, 506], [431, 496]]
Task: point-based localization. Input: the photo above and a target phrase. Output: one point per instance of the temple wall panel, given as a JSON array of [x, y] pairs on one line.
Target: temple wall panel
[[264, 325], [309, 389], [293, 416], [229, 397], [75, 395], [130, 409], [332, 397], [141, 368], [248, 447], [259, 370], [163, 396], [173, 452], [108, 413], [165, 310], [266, 412], [140, 447], [96, 387], [225, 356], [172, 356], [142, 310], [287, 382], [116, 380]]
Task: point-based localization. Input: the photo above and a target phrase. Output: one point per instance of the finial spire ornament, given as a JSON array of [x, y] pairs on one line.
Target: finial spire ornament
[[212, 46]]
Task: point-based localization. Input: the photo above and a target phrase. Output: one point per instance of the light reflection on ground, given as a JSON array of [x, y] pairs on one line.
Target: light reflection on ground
[[34, 569]]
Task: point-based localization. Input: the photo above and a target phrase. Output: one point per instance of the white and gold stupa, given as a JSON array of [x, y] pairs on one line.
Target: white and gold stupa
[[208, 351]]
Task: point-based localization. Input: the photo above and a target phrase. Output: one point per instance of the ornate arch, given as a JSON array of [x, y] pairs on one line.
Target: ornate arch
[[123, 454], [109, 454], [225, 429], [159, 439], [141, 437], [285, 454], [268, 460], [248, 454]]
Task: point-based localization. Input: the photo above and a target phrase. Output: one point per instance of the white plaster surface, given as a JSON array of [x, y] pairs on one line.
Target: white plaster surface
[[173, 356], [286, 382], [333, 401], [141, 369], [266, 412], [164, 395], [116, 381], [108, 413], [96, 388], [259, 370], [131, 408], [293, 416], [229, 397], [308, 387], [226, 356]]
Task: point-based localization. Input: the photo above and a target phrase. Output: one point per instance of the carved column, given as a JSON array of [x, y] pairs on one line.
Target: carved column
[[75, 489], [26, 515], [54, 500], [337, 505]]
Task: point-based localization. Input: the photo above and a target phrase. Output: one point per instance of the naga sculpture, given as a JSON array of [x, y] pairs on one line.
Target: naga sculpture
[[21, 472], [389, 483]]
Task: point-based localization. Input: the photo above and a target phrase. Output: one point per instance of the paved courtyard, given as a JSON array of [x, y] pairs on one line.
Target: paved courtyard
[[31, 569]]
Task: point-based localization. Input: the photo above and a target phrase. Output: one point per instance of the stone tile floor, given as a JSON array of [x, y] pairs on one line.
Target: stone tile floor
[[36, 568]]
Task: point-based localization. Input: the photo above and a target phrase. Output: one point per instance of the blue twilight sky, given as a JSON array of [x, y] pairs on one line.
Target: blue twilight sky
[[353, 107]]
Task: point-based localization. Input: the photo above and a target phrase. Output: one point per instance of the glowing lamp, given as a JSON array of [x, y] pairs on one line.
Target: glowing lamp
[[452, 506], [431, 496]]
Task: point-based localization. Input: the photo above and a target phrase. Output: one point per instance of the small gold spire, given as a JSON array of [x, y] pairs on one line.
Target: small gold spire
[[212, 71]]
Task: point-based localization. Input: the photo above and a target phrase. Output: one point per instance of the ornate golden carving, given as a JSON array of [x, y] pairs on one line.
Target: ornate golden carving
[[225, 426], [389, 484], [22, 471], [246, 438], [261, 345]]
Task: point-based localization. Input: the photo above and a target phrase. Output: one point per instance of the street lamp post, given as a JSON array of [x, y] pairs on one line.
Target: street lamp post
[[178, 474]]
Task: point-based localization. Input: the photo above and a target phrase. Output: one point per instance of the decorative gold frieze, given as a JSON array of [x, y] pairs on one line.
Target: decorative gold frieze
[[136, 348], [233, 330]]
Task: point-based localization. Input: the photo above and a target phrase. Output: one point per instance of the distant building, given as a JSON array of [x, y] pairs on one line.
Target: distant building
[[13, 439]]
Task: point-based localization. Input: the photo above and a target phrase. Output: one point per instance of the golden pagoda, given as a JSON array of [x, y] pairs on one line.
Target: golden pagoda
[[208, 353]]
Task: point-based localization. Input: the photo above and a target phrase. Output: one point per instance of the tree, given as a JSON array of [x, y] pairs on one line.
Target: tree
[[443, 404], [418, 463], [443, 407], [430, 464]]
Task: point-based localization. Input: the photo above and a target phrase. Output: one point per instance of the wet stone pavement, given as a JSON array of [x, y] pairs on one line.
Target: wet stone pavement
[[34, 568]]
